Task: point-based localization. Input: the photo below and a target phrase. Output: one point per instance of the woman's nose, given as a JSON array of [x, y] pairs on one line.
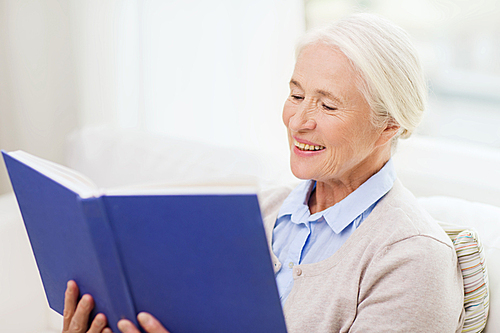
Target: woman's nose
[[303, 119]]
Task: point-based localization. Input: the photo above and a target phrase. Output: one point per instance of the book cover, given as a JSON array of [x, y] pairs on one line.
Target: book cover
[[199, 262]]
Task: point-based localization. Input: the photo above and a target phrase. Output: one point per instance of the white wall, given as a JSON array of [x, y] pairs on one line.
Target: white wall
[[211, 71], [215, 71], [219, 72], [38, 103], [105, 39]]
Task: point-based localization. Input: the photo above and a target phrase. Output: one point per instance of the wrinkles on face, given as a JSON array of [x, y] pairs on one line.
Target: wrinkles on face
[[325, 107]]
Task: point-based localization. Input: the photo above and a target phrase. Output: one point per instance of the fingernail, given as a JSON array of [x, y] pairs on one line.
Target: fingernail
[[87, 301], [144, 318], [99, 320], [123, 325]]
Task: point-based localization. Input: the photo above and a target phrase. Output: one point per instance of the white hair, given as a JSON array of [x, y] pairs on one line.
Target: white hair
[[391, 77]]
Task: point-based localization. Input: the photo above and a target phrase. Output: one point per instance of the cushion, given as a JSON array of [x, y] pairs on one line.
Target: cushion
[[471, 258], [485, 219]]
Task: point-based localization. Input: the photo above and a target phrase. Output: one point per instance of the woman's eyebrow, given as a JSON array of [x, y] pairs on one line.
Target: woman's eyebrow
[[320, 92], [330, 96], [295, 83]]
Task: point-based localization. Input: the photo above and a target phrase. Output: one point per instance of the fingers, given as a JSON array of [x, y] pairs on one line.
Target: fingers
[[126, 326], [150, 323], [76, 314], [147, 321], [70, 302], [80, 319], [98, 324]]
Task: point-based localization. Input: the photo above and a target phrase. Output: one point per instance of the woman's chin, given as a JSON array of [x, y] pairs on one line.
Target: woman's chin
[[304, 165], [301, 172]]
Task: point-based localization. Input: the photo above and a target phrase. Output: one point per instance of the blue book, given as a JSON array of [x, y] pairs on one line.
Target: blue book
[[196, 258]]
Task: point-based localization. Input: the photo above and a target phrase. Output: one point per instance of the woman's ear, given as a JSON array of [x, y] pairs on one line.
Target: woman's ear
[[390, 130]]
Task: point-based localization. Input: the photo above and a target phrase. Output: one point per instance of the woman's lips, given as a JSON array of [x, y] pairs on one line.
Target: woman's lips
[[307, 146]]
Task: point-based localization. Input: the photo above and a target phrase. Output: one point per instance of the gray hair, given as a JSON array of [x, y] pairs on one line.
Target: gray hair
[[390, 75]]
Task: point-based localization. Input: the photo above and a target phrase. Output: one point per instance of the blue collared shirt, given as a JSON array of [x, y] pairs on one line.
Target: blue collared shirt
[[302, 238]]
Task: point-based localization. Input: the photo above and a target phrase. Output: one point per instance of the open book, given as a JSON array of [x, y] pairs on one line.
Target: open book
[[194, 257]]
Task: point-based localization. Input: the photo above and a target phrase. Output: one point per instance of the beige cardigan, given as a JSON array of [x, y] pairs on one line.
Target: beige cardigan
[[398, 272]]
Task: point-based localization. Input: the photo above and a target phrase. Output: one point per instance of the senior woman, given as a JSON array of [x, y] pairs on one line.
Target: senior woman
[[352, 249]]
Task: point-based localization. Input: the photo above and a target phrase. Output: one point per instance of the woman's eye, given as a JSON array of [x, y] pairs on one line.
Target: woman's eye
[[297, 97], [329, 108]]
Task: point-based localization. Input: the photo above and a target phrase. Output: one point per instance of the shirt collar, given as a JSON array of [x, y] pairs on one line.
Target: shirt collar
[[340, 215], [296, 202]]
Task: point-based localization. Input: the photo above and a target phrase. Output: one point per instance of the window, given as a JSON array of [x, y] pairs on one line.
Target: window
[[459, 44]]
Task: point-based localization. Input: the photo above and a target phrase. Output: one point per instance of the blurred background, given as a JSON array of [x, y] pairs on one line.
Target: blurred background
[[459, 45], [218, 71]]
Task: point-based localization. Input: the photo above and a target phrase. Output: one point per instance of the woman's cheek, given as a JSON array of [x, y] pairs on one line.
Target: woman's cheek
[[287, 114], [289, 110]]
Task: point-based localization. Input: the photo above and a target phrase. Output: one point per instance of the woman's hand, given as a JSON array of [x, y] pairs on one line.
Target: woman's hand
[[76, 314], [147, 321]]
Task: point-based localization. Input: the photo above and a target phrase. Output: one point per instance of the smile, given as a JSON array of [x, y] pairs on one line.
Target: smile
[[305, 147]]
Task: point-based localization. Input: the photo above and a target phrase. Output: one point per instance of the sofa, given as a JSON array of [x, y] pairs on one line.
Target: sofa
[[113, 157]]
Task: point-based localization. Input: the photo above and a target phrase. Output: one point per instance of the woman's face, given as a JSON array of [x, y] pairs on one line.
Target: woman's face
[[330, 132]]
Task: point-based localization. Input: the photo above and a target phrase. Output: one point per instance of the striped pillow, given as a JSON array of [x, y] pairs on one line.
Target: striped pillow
[[471, 258]]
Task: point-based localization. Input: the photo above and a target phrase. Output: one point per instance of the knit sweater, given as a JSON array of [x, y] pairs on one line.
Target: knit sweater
[[398, 272]]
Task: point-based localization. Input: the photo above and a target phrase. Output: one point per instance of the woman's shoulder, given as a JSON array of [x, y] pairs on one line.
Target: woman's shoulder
[[400, 216]]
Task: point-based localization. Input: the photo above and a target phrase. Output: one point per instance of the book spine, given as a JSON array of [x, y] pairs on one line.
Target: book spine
[[117, 303]]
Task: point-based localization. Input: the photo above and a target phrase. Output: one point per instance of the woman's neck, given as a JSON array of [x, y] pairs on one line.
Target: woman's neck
[[328, 193]]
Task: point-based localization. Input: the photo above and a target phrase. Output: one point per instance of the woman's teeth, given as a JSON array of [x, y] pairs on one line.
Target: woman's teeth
[[303, 146]]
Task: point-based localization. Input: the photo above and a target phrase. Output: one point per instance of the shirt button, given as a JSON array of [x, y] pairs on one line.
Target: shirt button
[[290, 264], [298, 271]]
